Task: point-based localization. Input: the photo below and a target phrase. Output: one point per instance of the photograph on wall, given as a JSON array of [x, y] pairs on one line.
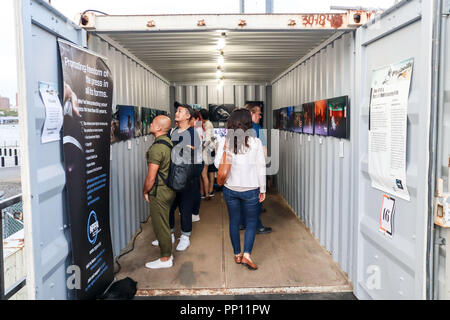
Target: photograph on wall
[[291, 119], [220, 113], [283, 118], [276, 119], [115, 127], [126, 119], [320, 118], [297, 125], [137, 123], [308, 118], [220, 133], [196, 107], [338, 118], [144, 119]]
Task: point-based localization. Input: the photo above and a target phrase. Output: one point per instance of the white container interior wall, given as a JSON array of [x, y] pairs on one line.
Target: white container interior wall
[[134, 85], [313, 178]]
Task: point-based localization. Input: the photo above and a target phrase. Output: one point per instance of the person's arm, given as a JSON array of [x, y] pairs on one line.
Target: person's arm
[[261, 170], [219, 153], [150, 179]]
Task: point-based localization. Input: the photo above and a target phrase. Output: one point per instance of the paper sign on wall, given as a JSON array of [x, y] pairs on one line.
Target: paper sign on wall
[[387, 215], [53, 114], [388, 128]]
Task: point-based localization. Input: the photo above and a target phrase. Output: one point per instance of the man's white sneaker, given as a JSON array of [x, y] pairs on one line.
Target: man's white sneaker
[[184, 243], [195, 218], [156, 242], [158, 264]]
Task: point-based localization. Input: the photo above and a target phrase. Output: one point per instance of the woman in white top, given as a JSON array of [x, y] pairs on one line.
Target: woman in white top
[[245, 187], [209, 147]]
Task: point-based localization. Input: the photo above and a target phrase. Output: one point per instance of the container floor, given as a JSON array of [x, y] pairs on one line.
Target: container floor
[[290, 259]]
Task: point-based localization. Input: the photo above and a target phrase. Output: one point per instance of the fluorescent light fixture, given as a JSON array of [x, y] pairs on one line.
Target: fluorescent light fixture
[[221, 61], [221, 44]]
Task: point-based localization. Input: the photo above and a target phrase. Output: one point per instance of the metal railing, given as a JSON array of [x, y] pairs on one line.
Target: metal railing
[[7, 293]]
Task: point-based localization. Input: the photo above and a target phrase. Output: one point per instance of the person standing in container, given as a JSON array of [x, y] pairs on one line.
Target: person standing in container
[[209, 146], [156, 193], [256, 114], [245, 186]]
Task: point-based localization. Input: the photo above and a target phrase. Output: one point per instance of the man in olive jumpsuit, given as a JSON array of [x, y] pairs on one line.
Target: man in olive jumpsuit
[[156, 193]]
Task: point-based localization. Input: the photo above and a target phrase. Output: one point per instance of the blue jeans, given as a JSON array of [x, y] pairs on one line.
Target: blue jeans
[[242, 204], [259, 224]]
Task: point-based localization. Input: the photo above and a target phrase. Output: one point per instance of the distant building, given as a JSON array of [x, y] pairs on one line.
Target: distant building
[[4, 103]]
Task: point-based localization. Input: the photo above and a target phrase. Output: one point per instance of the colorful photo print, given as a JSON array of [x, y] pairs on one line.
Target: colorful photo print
[[338, 115], [283, 118], [137, 123], [126, 119], [290, 115], [308, 118], [297, 125], [115, 127], [321, 118]]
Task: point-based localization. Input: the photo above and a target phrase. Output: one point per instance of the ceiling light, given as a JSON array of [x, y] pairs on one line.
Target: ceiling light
[[221, 61], [221, 44], [219, 74]]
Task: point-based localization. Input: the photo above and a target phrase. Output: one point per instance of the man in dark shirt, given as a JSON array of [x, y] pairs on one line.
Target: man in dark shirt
[[187, 143]]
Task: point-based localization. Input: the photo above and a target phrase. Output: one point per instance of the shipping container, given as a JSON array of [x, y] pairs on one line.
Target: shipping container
[[323, 206]]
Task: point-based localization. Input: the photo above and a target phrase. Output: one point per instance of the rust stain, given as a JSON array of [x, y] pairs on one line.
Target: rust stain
[[337, 21], [151, 24]]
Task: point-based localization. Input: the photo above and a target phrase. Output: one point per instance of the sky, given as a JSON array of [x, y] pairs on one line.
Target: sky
[[8, 74]]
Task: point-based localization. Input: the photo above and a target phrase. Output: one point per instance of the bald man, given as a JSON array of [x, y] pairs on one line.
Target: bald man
[[156, 193]]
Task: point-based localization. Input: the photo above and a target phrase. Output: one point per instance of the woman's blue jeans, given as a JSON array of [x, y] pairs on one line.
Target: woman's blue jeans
[[246, 204]]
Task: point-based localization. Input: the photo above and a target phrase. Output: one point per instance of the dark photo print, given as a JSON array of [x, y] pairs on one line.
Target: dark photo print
[[298, 120], [283, 118], [290, 115], [338, 114], [137, 123], [126, 118], [308, 118]]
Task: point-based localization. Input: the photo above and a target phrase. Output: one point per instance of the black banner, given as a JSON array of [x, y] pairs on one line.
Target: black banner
[[87, 104]]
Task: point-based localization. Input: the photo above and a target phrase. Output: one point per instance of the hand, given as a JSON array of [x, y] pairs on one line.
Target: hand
[[262, 197], [146, 198]]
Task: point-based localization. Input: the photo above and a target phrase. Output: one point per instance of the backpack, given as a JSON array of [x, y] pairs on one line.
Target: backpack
[[179, 174]]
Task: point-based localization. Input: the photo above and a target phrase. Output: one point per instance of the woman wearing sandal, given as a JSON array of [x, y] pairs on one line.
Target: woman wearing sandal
[[242, 169]]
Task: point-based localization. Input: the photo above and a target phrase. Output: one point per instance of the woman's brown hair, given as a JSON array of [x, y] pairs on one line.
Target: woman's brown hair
[[240, 119]]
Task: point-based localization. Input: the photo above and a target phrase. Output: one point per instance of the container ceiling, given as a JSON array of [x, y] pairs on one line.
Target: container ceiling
[[249, 55]]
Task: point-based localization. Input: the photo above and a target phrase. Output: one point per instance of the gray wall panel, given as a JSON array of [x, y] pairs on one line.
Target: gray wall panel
[[133, 85], [312, 178]]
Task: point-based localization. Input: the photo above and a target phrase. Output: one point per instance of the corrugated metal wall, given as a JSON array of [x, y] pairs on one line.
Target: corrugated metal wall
[[313, 178], [443, 269], [134, 85]]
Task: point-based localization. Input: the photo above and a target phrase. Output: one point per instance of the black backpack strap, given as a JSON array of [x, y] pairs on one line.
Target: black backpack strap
[[166, 182]]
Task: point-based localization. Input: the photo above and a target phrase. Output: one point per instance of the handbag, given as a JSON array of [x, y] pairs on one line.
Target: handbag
[[224, 170]]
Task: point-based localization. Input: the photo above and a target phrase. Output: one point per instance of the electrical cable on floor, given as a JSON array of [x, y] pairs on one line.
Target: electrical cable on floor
[[132, 246]]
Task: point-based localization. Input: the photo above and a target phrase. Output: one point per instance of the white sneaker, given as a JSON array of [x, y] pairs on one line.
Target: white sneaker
[[156, 242], [158, 264], [184, 243], [195, 218]]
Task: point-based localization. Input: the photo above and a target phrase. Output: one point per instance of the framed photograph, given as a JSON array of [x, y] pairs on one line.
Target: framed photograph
[[321, 118], [220, 113], [283, 118], [126, 120], [297, 124], [137, 123], [308, 118], [339, 117], [290, 119], [115, 127], [276, 119]]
